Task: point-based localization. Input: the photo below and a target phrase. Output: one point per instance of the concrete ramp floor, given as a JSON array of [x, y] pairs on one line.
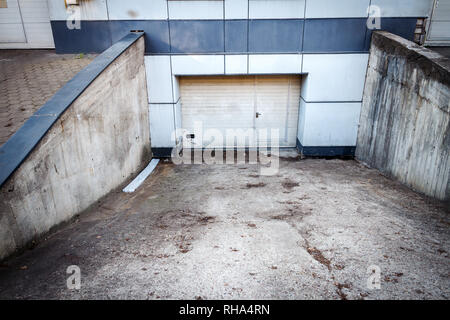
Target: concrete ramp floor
[[314, 231]]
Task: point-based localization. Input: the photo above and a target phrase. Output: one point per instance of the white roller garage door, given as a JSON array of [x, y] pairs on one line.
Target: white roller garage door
[[253, 104]]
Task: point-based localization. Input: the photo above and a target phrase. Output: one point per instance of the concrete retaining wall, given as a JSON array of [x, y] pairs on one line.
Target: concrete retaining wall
[[98, 142], [404, 126]]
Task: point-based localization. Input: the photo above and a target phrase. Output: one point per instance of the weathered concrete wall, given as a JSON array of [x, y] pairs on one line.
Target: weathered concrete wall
[[96, 144], [404, 126]]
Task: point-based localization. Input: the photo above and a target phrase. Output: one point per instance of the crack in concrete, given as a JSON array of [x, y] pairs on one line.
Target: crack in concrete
[[317, 255]]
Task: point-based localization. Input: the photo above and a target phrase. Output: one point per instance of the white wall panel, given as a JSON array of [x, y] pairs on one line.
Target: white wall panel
[[439, 30], [137, 9], [89, 10], [57, 10], [276, 9], [301, 120], [34, 11], [36, 19], [336, 9], [275, 63], [11, 14], [236, 9], [442, 10], [162, 125], [12, 32], [198, 64], [404, 8], [175, 88], [196, 9], [159, 79], [94, 10], [39, 35], [11, 28], [329, 124], [334, 77], [35, 32], [178, 123], [236, 64]]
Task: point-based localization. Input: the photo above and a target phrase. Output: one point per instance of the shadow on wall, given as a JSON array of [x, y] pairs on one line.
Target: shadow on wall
[[405, 118]]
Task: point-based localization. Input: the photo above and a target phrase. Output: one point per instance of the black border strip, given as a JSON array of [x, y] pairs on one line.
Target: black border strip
[[20, 145], [332, 151], [162, 152]]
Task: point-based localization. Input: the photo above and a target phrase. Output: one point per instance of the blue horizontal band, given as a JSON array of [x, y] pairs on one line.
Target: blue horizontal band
[[230, 36]]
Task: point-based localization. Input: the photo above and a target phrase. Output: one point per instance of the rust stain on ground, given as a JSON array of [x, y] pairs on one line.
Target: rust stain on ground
[[255, 185], [319, 257], [289, 184]]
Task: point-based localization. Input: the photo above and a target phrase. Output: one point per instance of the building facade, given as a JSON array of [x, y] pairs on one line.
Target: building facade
[[294, 65]]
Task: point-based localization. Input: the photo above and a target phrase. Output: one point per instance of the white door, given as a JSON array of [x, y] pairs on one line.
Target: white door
[[240, 111], [277, 102], [439, 27], [25, 24], [11, 26]]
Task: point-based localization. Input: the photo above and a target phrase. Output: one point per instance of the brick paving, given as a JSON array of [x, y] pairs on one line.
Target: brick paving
[[28, 78]]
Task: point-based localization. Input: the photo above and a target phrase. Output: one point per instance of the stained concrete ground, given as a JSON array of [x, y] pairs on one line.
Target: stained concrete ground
[[28, 78], [312, 231]]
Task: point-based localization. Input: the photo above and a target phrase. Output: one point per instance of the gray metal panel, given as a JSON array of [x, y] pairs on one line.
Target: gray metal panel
[[334, 35], [236, 35], [275, 35], [441, 10], [156, 33], [93, 36], [439, 30], [196, 36], [403, 27]]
